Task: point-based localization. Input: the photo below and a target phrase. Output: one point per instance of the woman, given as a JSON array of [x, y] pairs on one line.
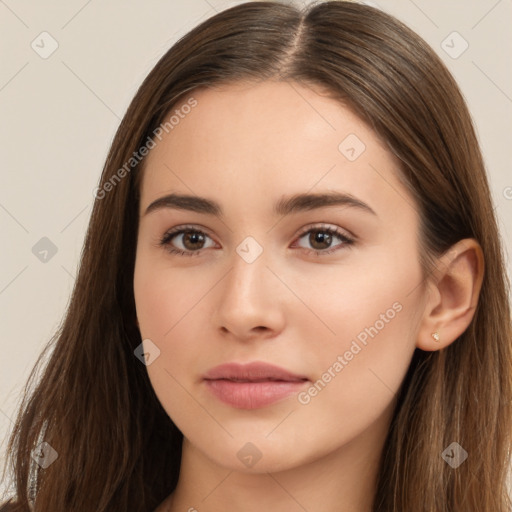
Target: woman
[[292, 292]]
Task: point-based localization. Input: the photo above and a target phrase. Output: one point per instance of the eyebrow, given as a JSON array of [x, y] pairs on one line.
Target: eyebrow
[[286, 205]]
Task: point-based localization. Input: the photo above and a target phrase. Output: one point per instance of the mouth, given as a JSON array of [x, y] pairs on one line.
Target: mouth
[[253, 385]]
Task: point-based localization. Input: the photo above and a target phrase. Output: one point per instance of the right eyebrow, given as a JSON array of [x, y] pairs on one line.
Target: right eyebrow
[[185, 202]]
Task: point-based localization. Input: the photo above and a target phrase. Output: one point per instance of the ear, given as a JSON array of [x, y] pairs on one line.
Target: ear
[[452, 295]]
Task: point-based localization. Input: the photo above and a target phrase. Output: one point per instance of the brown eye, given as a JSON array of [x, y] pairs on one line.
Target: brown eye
[[320, 240], [193, 240], [185, 241]]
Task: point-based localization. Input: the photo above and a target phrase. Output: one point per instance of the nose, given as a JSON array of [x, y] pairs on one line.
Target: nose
[[250, 301]]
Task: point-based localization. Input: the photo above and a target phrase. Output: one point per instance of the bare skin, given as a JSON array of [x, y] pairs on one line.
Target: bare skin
[[246, 147]]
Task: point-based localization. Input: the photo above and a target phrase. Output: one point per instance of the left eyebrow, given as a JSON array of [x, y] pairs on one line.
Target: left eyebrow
[[284, 206], [303, 202]]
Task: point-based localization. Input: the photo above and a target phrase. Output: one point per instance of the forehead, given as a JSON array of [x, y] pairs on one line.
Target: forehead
[[251, 143]]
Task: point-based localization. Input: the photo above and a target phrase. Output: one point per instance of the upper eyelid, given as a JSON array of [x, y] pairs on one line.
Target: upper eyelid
[[198, 227], [179, 230], [327, 227]]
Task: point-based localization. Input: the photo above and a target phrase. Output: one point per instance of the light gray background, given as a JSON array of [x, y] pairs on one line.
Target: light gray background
[[58, 116]]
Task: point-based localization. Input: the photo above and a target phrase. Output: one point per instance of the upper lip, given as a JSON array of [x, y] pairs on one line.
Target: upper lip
[[252, 372]]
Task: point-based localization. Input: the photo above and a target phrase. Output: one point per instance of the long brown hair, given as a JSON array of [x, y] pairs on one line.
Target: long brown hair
[[117, 448]]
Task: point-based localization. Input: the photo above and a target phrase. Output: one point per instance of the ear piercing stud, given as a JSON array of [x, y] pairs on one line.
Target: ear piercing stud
[[436, 336]]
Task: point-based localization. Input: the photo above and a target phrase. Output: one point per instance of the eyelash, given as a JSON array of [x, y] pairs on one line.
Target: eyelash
[[169, 235]]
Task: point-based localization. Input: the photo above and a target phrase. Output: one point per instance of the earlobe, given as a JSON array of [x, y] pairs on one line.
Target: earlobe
[[454, 291]]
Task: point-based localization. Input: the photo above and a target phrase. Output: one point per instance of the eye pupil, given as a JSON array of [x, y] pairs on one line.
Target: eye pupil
[[320, 237], [193, 237]]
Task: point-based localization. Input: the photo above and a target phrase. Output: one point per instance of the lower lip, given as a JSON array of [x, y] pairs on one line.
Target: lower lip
[[252, 395]]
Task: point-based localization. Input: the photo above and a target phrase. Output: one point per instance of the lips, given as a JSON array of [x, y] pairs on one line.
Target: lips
[[253, 385]]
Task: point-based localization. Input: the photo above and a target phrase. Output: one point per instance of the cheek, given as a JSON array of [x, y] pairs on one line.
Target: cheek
[[163, 302], [168, 302], [163, 296], [371, 316], [354, 384], [366, 299]]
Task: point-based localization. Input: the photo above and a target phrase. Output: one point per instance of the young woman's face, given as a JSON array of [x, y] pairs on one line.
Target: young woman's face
[[296, 246]]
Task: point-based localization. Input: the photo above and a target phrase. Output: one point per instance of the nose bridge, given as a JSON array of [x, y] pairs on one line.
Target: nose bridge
[[248, 276], [248, 299]]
